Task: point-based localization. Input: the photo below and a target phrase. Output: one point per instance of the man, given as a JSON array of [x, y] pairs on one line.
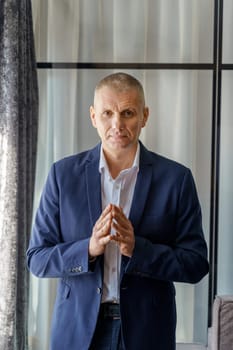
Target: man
[[118, 225]]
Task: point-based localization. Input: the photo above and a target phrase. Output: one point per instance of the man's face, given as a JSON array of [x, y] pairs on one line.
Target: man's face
[[118, 118]]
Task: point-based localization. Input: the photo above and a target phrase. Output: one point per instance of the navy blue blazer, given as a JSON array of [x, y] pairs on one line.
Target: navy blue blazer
[[169, 246]]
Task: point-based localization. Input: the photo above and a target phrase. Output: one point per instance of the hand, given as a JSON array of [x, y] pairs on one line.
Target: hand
[[101, 233], [124, 231]]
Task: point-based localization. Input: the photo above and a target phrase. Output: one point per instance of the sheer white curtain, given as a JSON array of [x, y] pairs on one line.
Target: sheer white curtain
[[180, 106], [225, 254]]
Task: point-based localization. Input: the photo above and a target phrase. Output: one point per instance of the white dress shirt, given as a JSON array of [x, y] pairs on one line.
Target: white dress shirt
[[118, 191]]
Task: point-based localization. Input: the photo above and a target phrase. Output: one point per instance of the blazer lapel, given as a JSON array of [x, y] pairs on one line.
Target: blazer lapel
[[141, 191], [93, 183], [142, 188]]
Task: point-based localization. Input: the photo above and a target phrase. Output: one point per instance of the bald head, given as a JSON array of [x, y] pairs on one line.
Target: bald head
[[121, 82]]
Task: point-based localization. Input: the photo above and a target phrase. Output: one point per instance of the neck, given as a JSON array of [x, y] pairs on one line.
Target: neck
[[119, 161]]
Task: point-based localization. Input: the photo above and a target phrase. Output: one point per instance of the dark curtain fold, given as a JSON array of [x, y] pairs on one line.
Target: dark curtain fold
[[18, 139]]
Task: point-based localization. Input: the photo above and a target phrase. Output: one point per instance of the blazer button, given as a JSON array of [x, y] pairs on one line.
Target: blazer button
[[76, 269], [99, 290]]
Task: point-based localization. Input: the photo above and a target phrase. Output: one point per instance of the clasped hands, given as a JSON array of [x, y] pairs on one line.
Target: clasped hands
[[112, 218]]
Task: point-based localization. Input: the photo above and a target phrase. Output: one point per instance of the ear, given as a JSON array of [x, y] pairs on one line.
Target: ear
[[145, 116], [92, 115]]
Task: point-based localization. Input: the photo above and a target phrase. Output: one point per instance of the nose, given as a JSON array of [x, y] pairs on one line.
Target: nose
[[117, 122]]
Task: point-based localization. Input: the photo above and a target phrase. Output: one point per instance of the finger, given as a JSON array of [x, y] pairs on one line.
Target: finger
[[122, 239], [121, 219], [104, 240], [116, 237], [104, 213], [124, 230], [103, 221], [103, 231], [126, 247]]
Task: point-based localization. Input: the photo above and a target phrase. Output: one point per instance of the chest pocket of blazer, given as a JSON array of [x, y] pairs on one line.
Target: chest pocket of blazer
[[158, 228]]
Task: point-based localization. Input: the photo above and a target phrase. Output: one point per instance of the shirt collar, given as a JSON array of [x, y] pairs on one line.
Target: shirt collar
[[103, 163]]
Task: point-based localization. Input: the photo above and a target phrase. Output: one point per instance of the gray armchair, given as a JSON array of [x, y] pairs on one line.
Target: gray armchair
[[221, 336]]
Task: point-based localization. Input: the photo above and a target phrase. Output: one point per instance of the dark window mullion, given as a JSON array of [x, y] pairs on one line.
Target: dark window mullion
[[215, 161], [122, 65]]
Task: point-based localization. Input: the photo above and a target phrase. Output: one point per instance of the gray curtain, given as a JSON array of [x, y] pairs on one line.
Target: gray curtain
[[18, 138]]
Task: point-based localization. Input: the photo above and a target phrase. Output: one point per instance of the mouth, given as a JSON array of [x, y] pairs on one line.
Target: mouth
[[118, 134], [118, 137]]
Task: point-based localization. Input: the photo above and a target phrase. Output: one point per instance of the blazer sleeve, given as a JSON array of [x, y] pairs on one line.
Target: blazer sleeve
[[48, 255], [183, 260]]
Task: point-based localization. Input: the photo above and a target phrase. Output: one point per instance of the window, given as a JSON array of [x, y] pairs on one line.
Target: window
[[174, 48]]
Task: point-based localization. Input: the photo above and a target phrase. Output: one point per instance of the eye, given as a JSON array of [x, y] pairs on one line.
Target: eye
[[107, 113], [127, 113]]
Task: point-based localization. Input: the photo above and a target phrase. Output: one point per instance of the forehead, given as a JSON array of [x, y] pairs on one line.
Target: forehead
[[107, 95]]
